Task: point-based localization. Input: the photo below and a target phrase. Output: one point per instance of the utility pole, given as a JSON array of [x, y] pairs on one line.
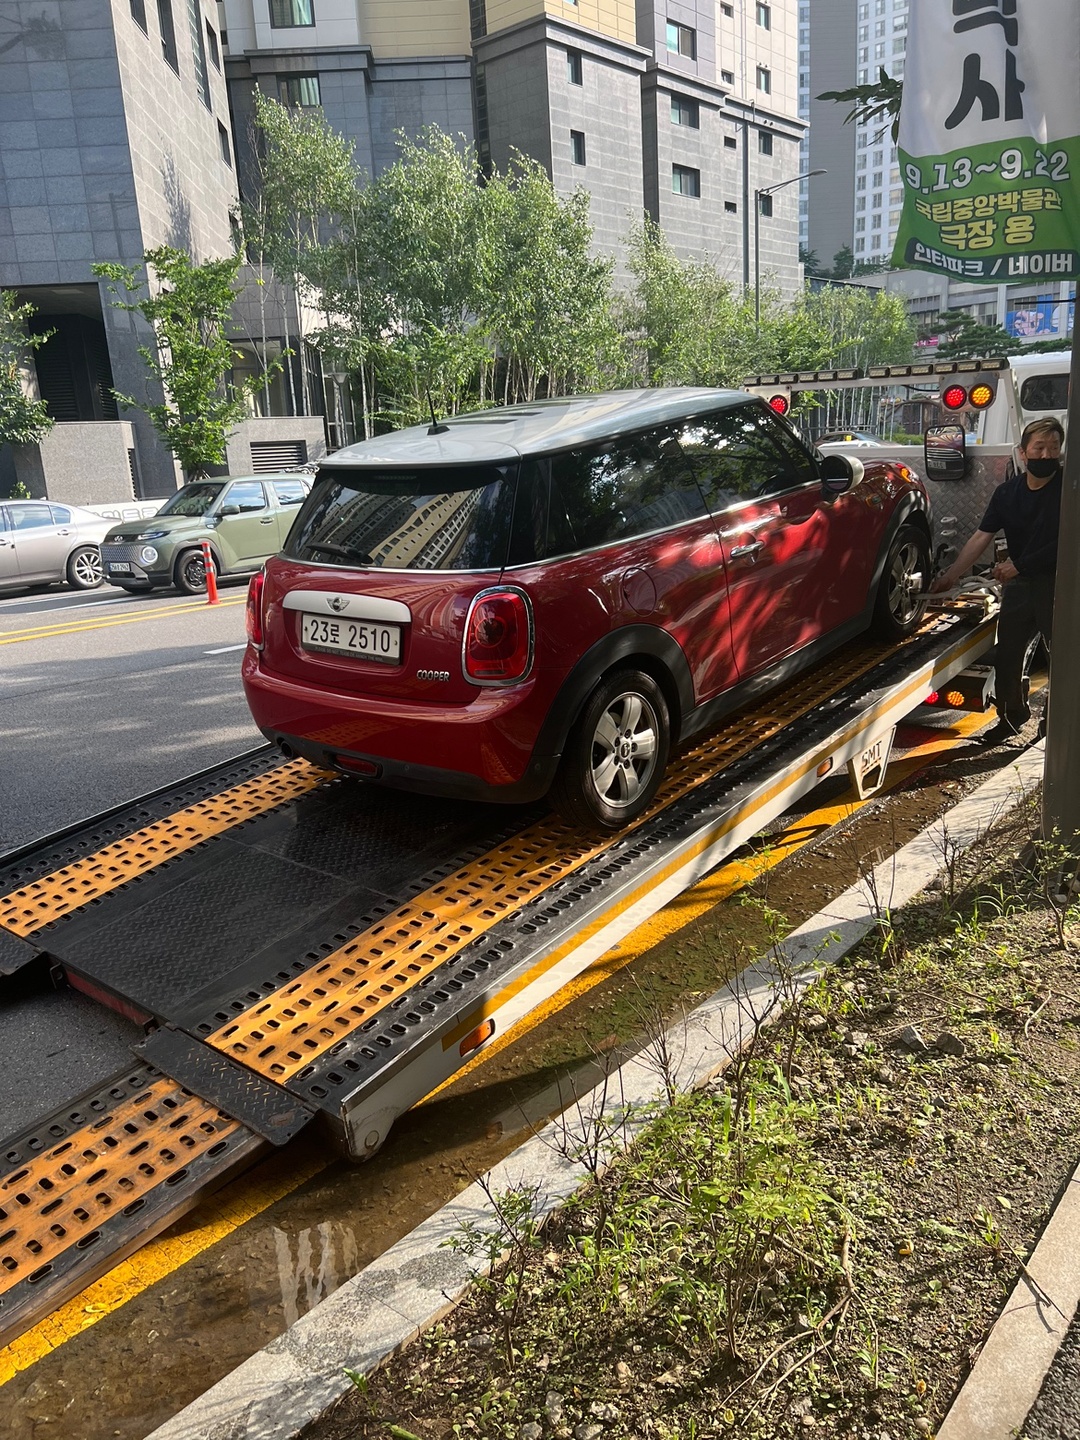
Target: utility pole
[[1061, 788]]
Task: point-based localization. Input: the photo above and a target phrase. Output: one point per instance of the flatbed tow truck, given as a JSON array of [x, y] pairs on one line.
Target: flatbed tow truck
[[299, 949]]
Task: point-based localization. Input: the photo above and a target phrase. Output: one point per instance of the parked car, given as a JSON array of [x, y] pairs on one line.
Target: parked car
[[42, 542], [245, 519], [552, 596], [850, 437]]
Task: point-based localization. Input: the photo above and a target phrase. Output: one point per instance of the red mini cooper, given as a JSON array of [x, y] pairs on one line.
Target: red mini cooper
[[549, 597]]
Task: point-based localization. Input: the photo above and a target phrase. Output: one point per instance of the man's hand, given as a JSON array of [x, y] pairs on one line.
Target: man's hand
[[1005, 571], [944, 581]]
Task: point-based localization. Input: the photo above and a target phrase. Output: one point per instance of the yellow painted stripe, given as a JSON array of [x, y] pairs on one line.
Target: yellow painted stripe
[[706, 895], [49, 632], [211, 1222]]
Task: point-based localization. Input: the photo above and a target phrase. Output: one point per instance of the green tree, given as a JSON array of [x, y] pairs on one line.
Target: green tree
[[877, 101], [843, 263], [188, 307], [305, 184], [966, 338], [23, 420], [808, 259]]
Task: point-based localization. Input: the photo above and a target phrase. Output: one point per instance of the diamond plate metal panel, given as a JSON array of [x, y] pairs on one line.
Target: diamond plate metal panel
[[14, 953], [265, 1108]]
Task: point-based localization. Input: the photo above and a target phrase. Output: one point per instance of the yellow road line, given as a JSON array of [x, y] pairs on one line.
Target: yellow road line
[[279, 1176], [48, 632], [213, 1221]]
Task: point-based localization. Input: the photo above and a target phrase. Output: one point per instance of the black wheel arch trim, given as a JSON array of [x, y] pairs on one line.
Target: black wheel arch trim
[[629, 643], [910, 507]]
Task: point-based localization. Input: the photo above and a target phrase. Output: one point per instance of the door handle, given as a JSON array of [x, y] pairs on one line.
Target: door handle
[[65, 532], [268, 521], [738, 552]]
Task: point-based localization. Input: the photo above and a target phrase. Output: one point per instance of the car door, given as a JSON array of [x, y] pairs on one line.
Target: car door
[[763, 494], [9, 559], [247, 531], [290, 495], [41, 546]]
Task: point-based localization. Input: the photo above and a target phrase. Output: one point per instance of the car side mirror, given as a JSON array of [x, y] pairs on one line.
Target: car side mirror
[[839, 474], [945, 452], [229, 509]]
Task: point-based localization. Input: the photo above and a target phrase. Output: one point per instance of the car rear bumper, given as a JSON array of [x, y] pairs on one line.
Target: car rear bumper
[[485, 747]]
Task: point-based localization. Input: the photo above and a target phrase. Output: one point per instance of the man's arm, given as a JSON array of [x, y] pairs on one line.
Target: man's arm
[[963, 562]]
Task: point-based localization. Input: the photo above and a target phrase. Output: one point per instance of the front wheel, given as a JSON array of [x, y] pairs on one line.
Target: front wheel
[[901, 596], [84, 568], [616, 754], [189, 573]]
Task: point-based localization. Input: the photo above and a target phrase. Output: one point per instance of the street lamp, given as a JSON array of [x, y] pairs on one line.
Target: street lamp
[[768, 190], [338, 378]]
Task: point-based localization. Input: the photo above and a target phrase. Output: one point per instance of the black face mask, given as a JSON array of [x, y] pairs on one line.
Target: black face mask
[[1042, 469]]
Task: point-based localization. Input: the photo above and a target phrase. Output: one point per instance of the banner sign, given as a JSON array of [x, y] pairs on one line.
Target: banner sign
[[989, 140], [1040, 319]]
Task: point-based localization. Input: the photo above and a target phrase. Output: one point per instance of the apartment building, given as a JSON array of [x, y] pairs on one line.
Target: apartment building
[[682, 109]]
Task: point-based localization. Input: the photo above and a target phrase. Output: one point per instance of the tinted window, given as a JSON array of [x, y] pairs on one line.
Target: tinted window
[[29, 517], [61, 515], [192, 500], [617, 490], [1045, 392], [455, 518], [742, 453], [248, 495], [289, 492]]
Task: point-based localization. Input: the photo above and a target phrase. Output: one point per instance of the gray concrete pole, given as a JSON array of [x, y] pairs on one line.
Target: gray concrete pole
[[1061, 790]]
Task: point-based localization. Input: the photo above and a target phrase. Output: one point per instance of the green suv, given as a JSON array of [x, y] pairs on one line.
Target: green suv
[[245, 520]]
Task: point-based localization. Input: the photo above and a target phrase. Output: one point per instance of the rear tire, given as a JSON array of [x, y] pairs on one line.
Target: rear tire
[[901, 596], [84, 570], [616, 755], [189, 574]]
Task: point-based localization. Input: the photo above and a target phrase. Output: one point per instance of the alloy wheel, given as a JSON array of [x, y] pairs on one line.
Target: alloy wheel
[[623, 752], [905, 583], [87, 567]]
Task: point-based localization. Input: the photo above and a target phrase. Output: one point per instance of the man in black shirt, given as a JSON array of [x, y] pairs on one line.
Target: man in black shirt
[[1027, 508]]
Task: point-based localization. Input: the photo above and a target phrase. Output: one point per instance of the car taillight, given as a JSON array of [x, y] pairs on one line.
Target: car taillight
[[498, 638], [254, 610]]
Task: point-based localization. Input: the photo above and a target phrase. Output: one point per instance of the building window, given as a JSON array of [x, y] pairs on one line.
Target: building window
[[685, 181], [764, 16], [685, 112], [299, 90], [212, 45], [764, 80], [168, 34], [764, 142], [138, 14], [860, 223], [728, 11], [577, 147], [860, 246], [573, 67], [765, 205], [727, 77], [681, 40], [731, 207], [198, 50], [223, 141], [730, 143], [289, 14]]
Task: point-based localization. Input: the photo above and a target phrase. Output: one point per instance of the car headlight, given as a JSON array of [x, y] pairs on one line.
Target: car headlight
[[152, 535], [148, 555]]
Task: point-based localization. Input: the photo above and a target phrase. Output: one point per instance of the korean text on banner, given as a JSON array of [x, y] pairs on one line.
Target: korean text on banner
[[990, 140]]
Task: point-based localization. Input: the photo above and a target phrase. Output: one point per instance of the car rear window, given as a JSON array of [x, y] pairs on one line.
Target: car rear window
[[448, 518]]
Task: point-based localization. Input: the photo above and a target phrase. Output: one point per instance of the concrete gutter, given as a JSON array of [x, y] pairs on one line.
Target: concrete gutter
[[297, 1377]]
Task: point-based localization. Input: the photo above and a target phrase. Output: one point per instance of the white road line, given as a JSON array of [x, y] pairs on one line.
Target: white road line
[[224, 650]]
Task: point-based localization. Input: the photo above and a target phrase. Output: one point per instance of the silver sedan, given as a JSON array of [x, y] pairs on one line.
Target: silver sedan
[[42, 542]]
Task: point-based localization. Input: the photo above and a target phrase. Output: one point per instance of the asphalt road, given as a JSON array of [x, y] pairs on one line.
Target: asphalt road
[[105, 696]]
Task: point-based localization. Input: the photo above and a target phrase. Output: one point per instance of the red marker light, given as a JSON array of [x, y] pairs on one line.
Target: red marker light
[[955, 397], [780, 403]]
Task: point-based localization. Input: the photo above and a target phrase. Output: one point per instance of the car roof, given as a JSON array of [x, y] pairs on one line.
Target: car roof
[[537, 428]]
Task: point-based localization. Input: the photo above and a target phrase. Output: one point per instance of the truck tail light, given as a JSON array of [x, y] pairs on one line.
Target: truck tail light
[[255, 610], [498, 638], [954, 398]]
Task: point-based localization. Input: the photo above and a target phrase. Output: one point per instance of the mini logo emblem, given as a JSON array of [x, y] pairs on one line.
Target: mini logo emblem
[[337, 603]]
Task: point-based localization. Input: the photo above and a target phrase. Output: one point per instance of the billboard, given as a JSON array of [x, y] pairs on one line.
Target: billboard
[[989, 141], [1041, 319]]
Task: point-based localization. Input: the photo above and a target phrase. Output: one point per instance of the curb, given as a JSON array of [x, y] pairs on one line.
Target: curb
[[297, 1377]]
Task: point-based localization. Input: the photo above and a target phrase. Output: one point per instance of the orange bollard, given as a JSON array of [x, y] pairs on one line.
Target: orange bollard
[[211, 574]]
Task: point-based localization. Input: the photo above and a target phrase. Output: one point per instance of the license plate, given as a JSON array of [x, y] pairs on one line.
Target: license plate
[[119, 567], [364, 638]]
